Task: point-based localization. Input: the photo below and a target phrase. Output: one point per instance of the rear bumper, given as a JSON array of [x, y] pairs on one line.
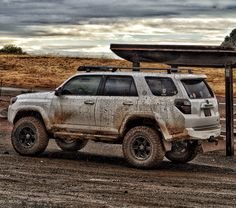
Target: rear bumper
[[204, 133], [195, 133]]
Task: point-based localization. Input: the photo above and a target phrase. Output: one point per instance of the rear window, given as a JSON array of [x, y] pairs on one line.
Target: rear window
[[161, 86], [197, 88]]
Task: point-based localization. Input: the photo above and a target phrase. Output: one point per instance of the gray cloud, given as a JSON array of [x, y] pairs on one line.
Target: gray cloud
[[31, 12], [16, 15], [63, 25]]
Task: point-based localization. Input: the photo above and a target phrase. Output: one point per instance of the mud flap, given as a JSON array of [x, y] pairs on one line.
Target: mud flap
[[217, 145], [167, 145]]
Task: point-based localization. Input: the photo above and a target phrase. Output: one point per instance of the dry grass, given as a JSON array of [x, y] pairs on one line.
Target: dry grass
[[49, 72]]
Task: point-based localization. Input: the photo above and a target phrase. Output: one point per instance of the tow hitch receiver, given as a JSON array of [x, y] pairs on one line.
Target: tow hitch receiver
[[213, 144]]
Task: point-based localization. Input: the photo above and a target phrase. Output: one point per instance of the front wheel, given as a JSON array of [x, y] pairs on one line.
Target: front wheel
[[182, 151], [29, 136], [71, 144], [142, 147]]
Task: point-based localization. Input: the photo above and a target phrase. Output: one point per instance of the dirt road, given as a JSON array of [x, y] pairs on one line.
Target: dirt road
[[99, 177]]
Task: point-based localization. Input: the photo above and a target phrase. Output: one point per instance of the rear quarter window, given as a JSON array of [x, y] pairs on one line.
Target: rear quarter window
[[119, 86], [197, 88], [161, 86]]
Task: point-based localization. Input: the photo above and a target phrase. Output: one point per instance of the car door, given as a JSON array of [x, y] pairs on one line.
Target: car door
[[74, 108], [118, 99]]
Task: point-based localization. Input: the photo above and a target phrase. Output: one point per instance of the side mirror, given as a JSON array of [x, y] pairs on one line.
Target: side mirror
[[58, 91]]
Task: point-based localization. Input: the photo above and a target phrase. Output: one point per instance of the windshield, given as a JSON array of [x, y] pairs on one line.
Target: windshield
[[197, 88]]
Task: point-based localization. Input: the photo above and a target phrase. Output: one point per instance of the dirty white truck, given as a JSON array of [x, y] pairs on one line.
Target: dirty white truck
[[153, 115]]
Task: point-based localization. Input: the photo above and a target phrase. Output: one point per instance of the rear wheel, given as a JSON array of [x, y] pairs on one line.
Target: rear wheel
[[29, 136], [182, 151], [71, 144], [142, 147]]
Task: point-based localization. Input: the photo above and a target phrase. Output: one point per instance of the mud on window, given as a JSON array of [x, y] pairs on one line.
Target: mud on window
[[119, 86], [197, 88], [82, 85], [161, 86]]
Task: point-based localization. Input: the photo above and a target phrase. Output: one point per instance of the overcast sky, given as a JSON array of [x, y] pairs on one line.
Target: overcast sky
[[76, 27]]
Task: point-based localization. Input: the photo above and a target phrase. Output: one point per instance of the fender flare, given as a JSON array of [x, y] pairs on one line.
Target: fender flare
[[38, 110]]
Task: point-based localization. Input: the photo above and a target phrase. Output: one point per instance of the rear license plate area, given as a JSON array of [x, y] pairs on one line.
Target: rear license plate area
[[207, 112]]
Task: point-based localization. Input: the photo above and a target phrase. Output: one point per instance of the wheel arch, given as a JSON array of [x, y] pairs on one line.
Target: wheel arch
[[34, 113], [144, 120], [138, 120]]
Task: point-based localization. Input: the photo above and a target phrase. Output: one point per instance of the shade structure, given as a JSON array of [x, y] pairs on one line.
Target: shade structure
[[189, 56], [177, 55]]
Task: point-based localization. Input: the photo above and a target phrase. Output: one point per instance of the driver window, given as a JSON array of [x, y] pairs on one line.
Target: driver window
[[82, 85]]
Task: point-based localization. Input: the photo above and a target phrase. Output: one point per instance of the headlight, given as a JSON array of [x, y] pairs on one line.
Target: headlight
[[13, 100]]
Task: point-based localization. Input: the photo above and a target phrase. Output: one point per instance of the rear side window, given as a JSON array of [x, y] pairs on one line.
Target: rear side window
[[120, 86], [197, 88], [161, 86]]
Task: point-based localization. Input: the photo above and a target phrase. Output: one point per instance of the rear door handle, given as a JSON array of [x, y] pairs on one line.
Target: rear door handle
[[128, 103], [89, 102]]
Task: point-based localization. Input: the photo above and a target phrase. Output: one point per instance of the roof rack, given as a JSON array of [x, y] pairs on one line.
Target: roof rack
[[98, 68], [137, 69]]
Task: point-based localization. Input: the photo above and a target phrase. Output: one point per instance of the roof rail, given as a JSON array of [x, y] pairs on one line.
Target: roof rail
[[115, 68], [97, 68]]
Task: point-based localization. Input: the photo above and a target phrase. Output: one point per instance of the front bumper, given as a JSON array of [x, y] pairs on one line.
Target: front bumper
[[11, 114]]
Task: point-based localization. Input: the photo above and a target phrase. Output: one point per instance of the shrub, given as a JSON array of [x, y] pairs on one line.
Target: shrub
[[11, 49], [230, 41]]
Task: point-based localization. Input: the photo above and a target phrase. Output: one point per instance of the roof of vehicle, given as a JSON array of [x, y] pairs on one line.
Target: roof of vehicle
[[144, 74]]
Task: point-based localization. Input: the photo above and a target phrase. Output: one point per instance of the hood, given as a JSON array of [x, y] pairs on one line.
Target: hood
[[38, 95]]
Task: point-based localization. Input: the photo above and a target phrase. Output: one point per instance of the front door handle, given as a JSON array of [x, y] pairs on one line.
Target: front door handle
[[89, 102], [128, 103]]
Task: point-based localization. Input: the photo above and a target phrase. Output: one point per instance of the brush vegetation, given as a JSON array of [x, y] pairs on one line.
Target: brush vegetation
[[50, 71], [11, 49], [230, 40]]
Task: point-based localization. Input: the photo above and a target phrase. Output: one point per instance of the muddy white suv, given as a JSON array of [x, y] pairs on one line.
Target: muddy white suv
[[151, 114]]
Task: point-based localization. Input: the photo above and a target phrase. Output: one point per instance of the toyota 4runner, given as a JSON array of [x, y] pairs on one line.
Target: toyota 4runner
[[151, 114]]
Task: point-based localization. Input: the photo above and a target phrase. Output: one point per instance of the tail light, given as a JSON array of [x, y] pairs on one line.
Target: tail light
[[183, 105]]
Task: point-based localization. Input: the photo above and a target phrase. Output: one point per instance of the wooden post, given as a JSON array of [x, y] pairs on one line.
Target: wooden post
[[229, 109], [136, 66]]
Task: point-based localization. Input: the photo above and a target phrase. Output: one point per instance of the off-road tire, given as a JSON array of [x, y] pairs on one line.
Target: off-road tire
[[184, 156], [73, 146], [142, 147], [29, 136]]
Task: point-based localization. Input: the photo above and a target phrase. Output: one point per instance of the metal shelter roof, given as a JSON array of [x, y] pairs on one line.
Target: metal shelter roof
[[177, 55]]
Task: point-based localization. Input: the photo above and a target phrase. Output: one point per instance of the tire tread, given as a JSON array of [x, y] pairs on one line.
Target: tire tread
[[154, 137], [41, 134]]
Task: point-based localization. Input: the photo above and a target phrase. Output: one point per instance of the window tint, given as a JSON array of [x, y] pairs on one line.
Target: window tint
[[82, 85], [197, 88], [120, 86], [161, 86]]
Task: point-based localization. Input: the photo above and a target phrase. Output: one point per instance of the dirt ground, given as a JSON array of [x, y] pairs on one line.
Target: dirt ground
[[98, 176]]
